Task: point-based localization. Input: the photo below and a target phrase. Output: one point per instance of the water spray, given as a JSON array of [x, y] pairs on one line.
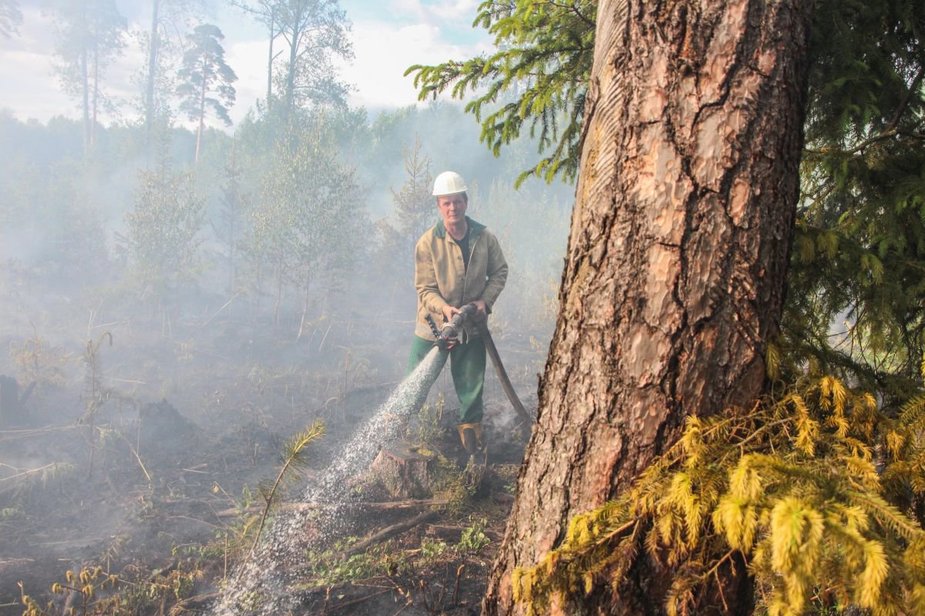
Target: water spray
[[262, 585]]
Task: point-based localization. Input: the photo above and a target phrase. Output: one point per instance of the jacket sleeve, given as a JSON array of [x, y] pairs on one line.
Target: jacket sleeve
[[496, 271], [425, 278]]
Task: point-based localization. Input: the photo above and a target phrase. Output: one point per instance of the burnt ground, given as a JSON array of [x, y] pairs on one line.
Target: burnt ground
[[155, 479]]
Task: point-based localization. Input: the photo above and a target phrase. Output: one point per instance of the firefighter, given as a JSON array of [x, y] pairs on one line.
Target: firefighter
[[456, 262]]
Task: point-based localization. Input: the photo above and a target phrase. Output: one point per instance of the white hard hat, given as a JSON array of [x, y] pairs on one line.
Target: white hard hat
[[449, 183]]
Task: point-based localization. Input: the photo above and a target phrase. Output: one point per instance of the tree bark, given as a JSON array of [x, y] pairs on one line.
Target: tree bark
[[291, 70], [202, 114], [96, 93], [85, 96], [151, 77], [271, 57], [677, 257]]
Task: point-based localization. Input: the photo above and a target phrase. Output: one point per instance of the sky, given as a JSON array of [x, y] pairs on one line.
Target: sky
[[388, 36]]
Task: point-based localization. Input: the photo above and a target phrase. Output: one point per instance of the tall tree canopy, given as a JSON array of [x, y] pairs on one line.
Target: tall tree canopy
[[315, 34], [205, 79], [167, 17], [89, 37]]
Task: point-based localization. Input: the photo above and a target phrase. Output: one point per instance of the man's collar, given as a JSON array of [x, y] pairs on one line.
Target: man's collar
[[474, 228]]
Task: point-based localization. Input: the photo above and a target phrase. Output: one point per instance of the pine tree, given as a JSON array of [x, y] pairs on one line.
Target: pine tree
[[89, 37], [414, 203], [673, 282], [205, 79], [856, 304]]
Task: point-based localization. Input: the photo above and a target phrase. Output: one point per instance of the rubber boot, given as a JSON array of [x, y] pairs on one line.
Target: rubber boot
[[470, 435]]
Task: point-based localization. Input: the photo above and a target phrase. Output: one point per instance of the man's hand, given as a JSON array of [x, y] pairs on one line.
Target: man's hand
[[482, 309], [449, 312]]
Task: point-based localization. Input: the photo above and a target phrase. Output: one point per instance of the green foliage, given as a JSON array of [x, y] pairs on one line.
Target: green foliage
[[163, 230], [294, 458], [336, 565], [544, 56], [89, 36], [792, 487], [314, 35], [205, 72], [414, 204], [856, 300], [37, 361], [307, 225], [473, 537], [205, 79], [432, 550]]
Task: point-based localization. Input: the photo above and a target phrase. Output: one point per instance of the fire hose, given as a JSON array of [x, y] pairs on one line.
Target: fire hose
[[450, 334]]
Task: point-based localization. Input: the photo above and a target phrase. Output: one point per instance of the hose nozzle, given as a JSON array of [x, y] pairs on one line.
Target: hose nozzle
[[451, 332]]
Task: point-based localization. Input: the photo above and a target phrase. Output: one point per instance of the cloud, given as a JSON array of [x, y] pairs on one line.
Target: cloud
[[249, 61], [384, 51], [437, 12]]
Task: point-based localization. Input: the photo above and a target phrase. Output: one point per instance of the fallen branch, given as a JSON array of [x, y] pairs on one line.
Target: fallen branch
[[390, 531], [374, 506], [453, 533], [137, 457], [18, 435]]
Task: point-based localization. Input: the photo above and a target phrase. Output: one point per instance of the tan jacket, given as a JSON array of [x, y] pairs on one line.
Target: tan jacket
[[441, 277]]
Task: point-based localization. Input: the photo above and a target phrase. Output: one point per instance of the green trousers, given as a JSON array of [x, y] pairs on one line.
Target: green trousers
[[467, 365]]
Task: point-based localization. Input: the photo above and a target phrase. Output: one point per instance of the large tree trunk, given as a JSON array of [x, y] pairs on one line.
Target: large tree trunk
[[96, 94], [202, 115], [85, 95], [291, 69], [676, 263], [271, 57], [151, 77]]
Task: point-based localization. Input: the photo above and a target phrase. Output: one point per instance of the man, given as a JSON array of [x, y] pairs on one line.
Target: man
[[457, 262]]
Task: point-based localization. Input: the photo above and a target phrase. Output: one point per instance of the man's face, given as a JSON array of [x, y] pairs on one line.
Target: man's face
[[452, 208]]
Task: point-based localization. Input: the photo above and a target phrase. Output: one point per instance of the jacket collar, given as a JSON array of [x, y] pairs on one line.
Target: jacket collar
[[475, 228]]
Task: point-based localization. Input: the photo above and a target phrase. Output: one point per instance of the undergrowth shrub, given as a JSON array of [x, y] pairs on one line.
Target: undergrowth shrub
[[817, 492]]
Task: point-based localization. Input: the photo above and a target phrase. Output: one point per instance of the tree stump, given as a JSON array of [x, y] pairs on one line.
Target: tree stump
[[403, 471]]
